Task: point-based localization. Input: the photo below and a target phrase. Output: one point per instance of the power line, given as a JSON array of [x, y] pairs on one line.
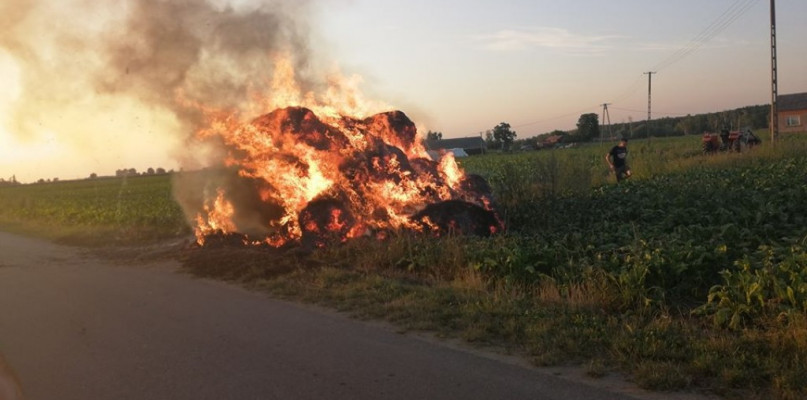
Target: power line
[[662, 112], [627, 109], [630, 90], [557, 117], [718, 25], [735, 11]]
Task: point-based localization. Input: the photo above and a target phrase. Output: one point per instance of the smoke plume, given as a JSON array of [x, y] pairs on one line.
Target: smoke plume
[[98, 73]]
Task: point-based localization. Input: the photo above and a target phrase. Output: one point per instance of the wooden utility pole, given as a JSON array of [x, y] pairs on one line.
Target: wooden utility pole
[[774, 88], [649, 98], [605, 116]]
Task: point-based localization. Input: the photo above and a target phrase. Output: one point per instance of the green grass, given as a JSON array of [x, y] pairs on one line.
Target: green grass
[[692, 275]]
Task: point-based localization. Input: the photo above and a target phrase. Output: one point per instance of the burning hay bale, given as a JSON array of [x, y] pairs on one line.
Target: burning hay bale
[[458, 217], [326, 221], [296, 178], [399, 129], [299, 124]]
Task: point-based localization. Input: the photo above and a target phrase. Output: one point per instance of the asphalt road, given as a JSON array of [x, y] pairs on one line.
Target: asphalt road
[[79, 327]]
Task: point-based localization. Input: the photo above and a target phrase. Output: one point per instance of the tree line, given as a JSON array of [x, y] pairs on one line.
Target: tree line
[[589, 128], [118, 173], [133, 172], [10, 182]]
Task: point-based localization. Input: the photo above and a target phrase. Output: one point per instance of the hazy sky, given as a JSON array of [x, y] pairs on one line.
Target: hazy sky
[[459, 67], [463, 66]]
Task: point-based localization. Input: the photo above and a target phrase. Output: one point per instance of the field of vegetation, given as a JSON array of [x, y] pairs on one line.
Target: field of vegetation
[[692, 275], [99, 210]]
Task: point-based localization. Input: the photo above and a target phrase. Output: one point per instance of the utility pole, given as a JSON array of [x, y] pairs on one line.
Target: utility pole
[[649, 98], [605, 116], [774, 88]]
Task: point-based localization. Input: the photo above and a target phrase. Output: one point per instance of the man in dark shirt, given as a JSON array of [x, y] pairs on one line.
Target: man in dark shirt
[[617, 160]]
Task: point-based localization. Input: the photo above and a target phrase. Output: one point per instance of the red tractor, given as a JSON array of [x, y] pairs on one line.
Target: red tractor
[[729, 141]]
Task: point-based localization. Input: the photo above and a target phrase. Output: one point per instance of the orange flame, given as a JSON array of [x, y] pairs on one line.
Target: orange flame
[[320, 157], [217, 217]]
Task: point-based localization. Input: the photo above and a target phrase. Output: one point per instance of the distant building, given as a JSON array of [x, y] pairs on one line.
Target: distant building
[[552, 141], [792, 110], [471, 145]]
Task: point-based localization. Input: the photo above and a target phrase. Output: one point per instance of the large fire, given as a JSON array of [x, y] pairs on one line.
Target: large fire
[[314, 171]]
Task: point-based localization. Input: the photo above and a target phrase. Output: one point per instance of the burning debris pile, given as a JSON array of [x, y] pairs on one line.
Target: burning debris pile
[[291, 177]]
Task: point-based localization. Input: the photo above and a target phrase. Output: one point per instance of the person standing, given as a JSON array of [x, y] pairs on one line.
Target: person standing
[[617, 159]]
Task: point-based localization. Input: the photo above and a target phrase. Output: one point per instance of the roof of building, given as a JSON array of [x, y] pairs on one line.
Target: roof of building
[[792, 102], [553, 139], [473, 142]]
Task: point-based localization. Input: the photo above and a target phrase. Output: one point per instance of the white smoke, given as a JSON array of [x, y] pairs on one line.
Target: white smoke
[[97, 82]]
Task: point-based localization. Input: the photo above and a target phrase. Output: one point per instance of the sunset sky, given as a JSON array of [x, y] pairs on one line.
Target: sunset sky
[[459, 67]]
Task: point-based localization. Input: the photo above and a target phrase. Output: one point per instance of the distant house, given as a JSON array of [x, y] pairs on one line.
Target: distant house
[[552, 141], [792, 110], [471, 145]]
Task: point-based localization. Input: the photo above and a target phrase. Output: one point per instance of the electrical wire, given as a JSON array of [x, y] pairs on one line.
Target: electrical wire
[[734, 12], [718, 25], [557, 117], [630, 90], [666, 113]]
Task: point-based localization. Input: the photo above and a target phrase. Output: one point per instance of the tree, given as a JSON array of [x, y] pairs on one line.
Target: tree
[[588, 127], [489, 138], [690, 125], [503, 135], [430, 135], [93, 175], [630, 126], [719, 121]]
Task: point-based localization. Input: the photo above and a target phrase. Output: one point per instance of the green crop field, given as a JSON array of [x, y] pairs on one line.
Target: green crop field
[[102, 209], [690, 275], [729, 230]]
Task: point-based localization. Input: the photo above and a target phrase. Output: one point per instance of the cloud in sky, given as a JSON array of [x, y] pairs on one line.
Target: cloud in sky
[[545, 37]]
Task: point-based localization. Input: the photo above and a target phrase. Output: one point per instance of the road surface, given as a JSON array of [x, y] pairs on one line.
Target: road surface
[[75, 326]]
